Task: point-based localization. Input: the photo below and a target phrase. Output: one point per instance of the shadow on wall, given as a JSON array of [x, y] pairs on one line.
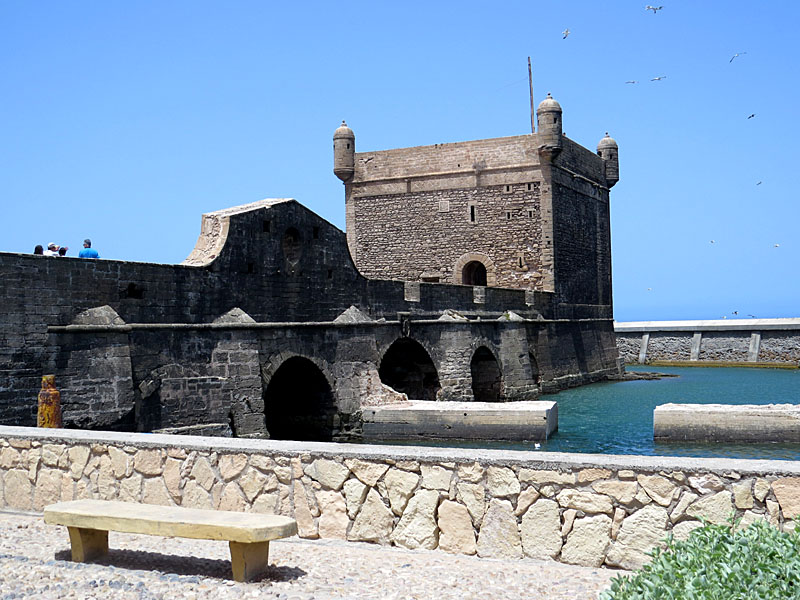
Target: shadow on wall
[[407, 368]]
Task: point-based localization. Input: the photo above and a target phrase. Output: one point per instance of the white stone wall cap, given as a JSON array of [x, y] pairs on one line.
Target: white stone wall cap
[[549, 104], [707, 325]]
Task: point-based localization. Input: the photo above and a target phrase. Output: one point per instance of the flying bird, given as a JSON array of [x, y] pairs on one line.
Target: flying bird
[[631, 81], [759, 183], [777, 246], [736, 312], [752, 316], [566, 32], [659, 78], [711, 242], [735, 55], [655, 9], [751, 116]]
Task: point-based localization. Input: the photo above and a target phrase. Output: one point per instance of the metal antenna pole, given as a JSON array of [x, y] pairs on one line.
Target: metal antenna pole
[[530, 84]]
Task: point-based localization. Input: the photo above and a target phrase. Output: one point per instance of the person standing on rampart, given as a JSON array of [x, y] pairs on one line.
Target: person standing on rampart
[[52, 249], [88, 251]]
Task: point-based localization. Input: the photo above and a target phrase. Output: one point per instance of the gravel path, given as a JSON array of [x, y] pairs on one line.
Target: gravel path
[[34, 563]]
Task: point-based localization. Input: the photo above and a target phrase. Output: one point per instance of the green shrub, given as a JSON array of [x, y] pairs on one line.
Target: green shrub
[[718, 562]]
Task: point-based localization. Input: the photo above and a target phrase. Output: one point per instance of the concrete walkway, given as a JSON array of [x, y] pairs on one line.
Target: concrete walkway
[[34, 563]]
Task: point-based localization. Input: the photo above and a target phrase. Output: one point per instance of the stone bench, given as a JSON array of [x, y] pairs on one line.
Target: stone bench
[[248, 534]]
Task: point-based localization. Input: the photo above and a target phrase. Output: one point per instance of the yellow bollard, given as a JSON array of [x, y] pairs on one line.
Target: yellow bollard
[[49, 403]]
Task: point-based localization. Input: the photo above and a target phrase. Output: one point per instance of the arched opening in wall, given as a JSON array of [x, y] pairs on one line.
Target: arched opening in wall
[[299, 403], [534, 368], [474, 273], [407, 368], [487, 381]]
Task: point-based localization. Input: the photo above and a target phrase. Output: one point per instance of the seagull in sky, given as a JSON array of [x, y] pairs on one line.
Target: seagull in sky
[[649, 289], [736, 312], [751, 116], [632, 81], [759, 183], [777, 246], [565, 33], [735, 55], [752, 316], [711, 242], [655, 9], [659, 78]]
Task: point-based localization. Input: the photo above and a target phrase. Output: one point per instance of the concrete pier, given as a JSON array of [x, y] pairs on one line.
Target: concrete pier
[[462, 420], [727, 423]]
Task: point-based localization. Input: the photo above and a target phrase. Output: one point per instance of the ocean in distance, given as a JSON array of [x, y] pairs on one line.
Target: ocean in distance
[[617, 417]]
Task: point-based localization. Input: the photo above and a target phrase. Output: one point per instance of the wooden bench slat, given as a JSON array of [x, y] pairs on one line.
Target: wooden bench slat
[[170, 521]]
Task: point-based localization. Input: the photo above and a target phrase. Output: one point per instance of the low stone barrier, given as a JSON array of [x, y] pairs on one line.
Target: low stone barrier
[[576, 508], [727, 422]]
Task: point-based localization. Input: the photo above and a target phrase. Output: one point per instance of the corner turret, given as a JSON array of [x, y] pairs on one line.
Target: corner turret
[[548, 117], [608, 150], [344, 152]]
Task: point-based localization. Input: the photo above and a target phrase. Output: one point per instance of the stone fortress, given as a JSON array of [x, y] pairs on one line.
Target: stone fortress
[[470, 271]]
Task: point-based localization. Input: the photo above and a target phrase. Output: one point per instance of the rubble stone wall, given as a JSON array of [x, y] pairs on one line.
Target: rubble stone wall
[[573, 508]]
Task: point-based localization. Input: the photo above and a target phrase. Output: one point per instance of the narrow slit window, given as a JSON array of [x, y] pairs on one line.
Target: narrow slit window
[[508, 214], [472, 213], [266, 226], [315, 233]]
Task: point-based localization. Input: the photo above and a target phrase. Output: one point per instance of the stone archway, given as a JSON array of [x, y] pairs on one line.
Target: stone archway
[[408, 368], [474, 267], [487, 379], [299, 403]]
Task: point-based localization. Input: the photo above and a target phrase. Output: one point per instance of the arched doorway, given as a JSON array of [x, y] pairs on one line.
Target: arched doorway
[[474, 273], [407, 367], [299, 403], [487, 381]]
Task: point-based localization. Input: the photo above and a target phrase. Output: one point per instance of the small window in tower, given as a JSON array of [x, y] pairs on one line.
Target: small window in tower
[[348, 145], [508, 214], [530, 214], [472, 213], [315, 233], [555, 119], [508, 189], [529, 187], [520, 262], [330, 273], [265, 226]]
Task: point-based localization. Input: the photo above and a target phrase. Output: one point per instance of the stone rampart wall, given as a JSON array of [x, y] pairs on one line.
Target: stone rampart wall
[[580, 509], [734, 341]]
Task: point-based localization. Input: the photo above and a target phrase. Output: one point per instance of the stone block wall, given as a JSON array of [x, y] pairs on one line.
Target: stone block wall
[[578, 509]]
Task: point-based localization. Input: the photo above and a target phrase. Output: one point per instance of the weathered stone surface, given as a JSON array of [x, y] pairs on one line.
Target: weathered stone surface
[[501, 481], [407, 465], [333, 520], [373, 522], [196, 496], [527, 497], [231, 465], [641, 532], [417, 526], [267, 503], [499, 534], [48, 488], [787, 492], [642, 497], [616, 523], [148, 462], [10, 458], [106, 482], [203, 474], [155, 492], [659, 488], [773, 512], [400, 485], [329, 473], [78, 457], [472, 472], [682, 530], [541, 477], [540, 530], [284, 474], [742, 494], [265, 464], [172, 478], [569, 519], [761, 489], [622, 491], [252, 483], [368, 472], [586, 475], [585, 501], [435, 477], [708, 482], [51, 453], [680, 508], [306, 527], [354, 494], [130, 488], [626, 474], [588, 541], [716, 509], [457, 535], [473, 496], [749, 517]]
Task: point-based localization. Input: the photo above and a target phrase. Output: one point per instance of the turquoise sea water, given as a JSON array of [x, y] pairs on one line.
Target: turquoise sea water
[[617, 417]]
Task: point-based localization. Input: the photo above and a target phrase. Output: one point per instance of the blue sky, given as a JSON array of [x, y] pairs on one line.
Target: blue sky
[[125, 121]]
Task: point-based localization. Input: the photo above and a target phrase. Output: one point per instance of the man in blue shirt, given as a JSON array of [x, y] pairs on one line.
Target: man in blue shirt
[[88, 251]]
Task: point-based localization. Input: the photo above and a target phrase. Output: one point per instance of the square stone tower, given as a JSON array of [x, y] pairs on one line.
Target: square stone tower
[[528, 211]]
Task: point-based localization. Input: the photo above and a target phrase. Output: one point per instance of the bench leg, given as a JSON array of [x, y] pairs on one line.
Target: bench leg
[[87, 544], [249, 561]]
